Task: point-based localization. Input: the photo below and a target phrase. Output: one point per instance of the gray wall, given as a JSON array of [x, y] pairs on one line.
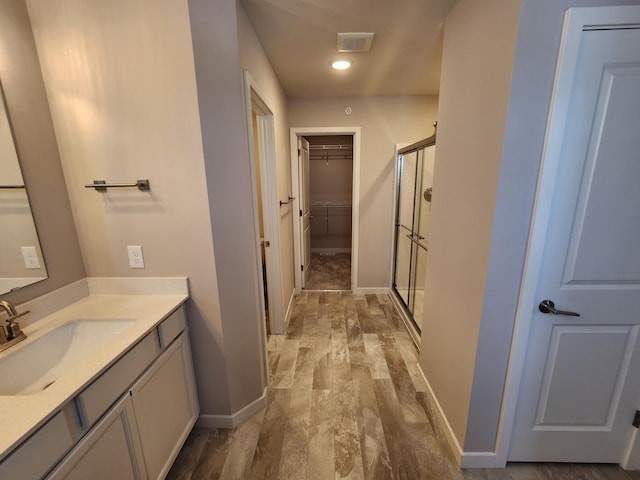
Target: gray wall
[[255, 61], [129, 101], [536, 53], [214, 28], [479, 44], [498, 71]]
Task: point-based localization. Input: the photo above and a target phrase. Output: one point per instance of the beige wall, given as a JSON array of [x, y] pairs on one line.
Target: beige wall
[[121, 86], [215, 37], [254, 60], [478, 55], [385, 122], [38, 152]]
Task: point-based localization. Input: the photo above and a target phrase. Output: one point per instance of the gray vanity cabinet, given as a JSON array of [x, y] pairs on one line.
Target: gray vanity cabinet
[[165, 405], [110, 450], [140, 436]]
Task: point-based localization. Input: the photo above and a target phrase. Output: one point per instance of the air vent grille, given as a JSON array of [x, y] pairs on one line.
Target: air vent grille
[[354, 41]]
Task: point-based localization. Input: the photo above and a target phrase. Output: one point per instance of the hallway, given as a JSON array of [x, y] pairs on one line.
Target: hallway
[[346, 401]]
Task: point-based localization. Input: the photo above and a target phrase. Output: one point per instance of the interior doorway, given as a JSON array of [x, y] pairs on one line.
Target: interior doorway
[[330, 202], [325, 178], [260, 125]]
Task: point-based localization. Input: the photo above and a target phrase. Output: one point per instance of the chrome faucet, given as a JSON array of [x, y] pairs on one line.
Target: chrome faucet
[[11, 334]]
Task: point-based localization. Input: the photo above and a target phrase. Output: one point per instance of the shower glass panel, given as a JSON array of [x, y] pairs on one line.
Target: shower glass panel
[[406, 211], [415, 189]]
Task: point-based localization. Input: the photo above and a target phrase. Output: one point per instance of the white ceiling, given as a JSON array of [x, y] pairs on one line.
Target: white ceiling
[[299, 38]]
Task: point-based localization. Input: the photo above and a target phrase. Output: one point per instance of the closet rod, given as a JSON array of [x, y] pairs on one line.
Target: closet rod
[[331, 157]]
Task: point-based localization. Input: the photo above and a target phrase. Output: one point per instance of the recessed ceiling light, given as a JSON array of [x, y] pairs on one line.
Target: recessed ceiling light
[[341, 63]]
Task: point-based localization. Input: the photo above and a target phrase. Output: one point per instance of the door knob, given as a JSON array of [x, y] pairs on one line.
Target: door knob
[[547, 306]]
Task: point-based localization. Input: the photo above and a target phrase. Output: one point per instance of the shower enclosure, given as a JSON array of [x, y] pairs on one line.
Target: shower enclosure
[[414, 190]]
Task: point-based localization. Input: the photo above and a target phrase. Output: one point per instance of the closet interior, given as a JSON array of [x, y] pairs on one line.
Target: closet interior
[[330, 195]]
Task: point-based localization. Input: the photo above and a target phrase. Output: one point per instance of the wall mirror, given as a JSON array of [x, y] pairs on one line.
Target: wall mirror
[[21, 260]]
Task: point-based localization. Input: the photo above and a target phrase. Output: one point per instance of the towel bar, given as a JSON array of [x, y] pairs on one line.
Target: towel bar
[[291, 199], [101, 185]]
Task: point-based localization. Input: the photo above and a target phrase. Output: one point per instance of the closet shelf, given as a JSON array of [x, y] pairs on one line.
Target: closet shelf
[[330, 147]]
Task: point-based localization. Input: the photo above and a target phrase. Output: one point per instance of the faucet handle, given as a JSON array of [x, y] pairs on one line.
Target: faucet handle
[[13, 330], [11, 319]]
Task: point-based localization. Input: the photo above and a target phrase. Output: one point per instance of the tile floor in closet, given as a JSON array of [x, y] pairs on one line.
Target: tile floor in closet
[[347, 402], [329, 271]]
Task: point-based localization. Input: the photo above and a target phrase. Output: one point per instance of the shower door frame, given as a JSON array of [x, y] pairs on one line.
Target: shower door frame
[[409, 319]]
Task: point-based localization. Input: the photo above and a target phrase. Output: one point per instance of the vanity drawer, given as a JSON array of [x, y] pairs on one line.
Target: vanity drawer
[[103, 392], [171, 327], [35, 456]]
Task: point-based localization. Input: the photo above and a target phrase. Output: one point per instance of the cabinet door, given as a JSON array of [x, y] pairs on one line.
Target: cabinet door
[[166, 407], [110, 450]]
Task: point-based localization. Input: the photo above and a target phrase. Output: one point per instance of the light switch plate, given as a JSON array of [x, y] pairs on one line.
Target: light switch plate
[[30, 257], [136, 260]]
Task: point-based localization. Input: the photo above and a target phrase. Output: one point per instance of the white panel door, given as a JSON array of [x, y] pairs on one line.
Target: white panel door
[[305, 204], [581, 380]]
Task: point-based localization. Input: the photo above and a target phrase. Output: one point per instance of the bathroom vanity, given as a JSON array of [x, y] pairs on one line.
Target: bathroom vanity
[[118, 398]]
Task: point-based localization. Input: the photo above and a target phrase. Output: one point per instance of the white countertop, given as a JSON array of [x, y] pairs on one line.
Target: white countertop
[[20, 415]]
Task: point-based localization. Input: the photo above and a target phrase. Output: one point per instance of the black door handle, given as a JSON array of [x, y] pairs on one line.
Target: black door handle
[[547, 306]]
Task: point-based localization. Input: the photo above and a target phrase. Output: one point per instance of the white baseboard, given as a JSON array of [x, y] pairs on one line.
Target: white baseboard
[[442, 420], [371, 290], [287, 315], [480, 460], [464, 459], [232, 421], [331, 250]]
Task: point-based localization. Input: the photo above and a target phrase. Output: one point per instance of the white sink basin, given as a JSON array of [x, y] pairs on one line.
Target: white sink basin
[[34, 366]]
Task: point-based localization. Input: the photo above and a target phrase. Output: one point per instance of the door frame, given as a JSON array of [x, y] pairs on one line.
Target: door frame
[[294, 133], [576, 20], [270, 214]]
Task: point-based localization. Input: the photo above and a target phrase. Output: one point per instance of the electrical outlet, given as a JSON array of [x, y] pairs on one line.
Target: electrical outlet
[[136, 260], [30, 257]]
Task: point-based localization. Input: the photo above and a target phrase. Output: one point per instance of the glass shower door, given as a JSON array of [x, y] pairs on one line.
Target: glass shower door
[[407, 176], [415, 181]]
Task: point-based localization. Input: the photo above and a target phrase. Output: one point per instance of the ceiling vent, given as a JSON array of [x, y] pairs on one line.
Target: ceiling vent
[[354, 42]]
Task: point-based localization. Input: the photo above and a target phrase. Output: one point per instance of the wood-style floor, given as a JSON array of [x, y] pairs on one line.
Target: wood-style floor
[[346, 402]]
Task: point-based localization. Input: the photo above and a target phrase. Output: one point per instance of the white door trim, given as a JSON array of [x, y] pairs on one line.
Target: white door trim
[[270, 212], [296, 132], [576, 20]]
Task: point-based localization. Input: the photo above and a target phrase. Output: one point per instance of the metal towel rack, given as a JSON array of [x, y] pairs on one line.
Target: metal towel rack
[[101, 185], [10, 187], [291, 199]]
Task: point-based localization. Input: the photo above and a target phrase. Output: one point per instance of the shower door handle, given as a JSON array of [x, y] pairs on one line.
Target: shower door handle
[[417, 241]]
